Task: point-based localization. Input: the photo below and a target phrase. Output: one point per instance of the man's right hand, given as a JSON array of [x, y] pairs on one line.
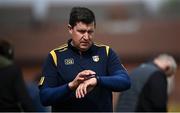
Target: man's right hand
[[81, 77], [86, 87]]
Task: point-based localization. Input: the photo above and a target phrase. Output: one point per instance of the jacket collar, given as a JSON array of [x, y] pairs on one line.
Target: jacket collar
[[89, 51]]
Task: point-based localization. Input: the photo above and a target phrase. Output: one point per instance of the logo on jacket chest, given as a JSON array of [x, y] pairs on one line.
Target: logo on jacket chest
[[69, 61], [95, 58]]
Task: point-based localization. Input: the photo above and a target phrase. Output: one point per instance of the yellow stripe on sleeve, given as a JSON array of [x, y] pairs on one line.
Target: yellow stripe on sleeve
[[107, 50], [100, 45], [62, 47], [41, 80], [54, 57]]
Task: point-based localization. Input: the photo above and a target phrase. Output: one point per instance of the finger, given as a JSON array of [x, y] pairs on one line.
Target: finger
[[77, 92], [81, 79], [83, 74], [81, 91], [91, 72], [85, 89], [86, 73]]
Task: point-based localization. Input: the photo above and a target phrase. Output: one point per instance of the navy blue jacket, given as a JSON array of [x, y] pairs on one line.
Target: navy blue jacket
[[64, 63]]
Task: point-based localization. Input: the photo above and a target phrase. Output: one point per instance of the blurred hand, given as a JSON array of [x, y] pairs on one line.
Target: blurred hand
[[80, 78], [86, 87]]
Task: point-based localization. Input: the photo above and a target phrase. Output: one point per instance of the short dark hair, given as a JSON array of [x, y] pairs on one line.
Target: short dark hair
[[81, 14], [6, 49]]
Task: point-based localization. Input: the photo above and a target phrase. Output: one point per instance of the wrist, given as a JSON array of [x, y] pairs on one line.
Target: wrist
[[71, 86], [98, 80]]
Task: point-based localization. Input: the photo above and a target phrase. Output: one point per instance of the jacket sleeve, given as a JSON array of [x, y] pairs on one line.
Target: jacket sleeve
[[50, 90], [117, 78]]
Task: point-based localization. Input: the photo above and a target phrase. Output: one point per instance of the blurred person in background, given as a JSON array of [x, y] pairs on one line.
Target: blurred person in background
[[33, 90], [13, 93], [149, 91], [81, 75]]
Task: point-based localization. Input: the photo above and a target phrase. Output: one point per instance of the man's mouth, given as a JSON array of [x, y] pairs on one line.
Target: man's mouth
[[84, 42]]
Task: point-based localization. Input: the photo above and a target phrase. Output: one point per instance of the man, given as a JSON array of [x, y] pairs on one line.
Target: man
[[149, 86], [81, 75], [13, 96]]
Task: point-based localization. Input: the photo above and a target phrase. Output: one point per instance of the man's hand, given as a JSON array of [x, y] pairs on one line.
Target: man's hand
[[85, 87], [80, 78]]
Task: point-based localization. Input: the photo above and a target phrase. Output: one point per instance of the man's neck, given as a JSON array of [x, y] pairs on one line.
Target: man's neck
[[80, 52]]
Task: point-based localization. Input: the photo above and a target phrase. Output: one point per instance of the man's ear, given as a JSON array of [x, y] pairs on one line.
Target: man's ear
[[168, 70], [69, 28]]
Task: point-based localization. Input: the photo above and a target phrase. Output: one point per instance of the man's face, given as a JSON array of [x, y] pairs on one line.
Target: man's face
[[82, 35]]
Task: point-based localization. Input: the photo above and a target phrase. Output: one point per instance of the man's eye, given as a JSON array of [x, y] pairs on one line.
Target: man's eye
[[90, 32], [82, 31]]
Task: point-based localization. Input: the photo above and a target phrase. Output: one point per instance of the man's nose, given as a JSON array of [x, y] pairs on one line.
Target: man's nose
[[86, 36]]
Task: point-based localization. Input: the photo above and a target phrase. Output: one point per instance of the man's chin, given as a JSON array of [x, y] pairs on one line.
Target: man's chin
[[84, 48]]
